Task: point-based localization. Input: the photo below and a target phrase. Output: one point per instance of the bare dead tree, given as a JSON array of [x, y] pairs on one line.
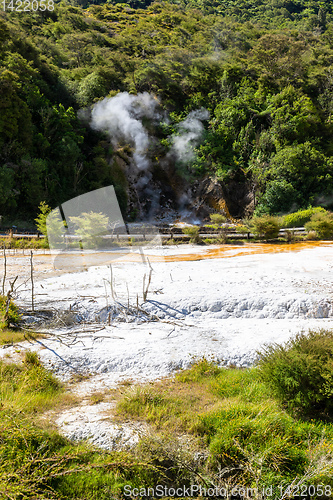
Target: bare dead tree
[[106, 295], [149, 264], [146, 288], [9, 298], [32, 281], [4, 268], [128, 297], [113, 293], [143, 287]]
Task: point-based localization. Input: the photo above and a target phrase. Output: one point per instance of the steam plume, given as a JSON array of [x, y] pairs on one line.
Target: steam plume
[[191, 130], [121, 116]]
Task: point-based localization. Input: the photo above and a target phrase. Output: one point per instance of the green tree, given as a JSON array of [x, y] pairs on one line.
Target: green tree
[[279, 197], [294, 117], [44, 211], [304, 167], [91, 226], [7, 196], [15, 117], [277, 59], [31, 177], [91, 87]]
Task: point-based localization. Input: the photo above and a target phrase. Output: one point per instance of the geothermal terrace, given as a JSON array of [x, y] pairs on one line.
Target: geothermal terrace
[[222, 302]]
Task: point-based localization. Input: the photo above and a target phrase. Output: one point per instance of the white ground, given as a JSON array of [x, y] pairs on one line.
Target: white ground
[[226, 308]]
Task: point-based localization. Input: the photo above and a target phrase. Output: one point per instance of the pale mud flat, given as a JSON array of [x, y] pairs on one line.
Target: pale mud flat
[[222, 302]]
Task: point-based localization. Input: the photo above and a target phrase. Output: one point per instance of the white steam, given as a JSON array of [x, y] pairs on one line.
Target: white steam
[[121, 117], [190, 133]]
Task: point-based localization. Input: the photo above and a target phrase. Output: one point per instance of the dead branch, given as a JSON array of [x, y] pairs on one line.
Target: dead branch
[[4, 268], [54, 352], [32, 281], [113, 293], [9, 298], [145, 289]]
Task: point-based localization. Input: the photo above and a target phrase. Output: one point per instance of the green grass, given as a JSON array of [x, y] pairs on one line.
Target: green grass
[[36, 462], [242, 427], [27, 387], [11, 336], [208, 425]]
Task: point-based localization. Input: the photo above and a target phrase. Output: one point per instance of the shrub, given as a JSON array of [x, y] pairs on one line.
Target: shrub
[[202, 368], [217, 219], [193, 232], [242, 230], [279, 197], [266, 226], [300, 373], [322, 223], [171, 241], [299, 218], [311, 236]]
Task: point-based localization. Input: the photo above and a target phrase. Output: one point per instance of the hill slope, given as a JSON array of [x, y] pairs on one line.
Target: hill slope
[[242, 93]]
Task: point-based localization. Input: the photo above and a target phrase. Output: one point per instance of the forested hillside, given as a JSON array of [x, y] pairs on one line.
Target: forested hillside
[[239, 97]]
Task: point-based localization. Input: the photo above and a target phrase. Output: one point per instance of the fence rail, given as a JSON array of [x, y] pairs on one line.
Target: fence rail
[[165, 233]]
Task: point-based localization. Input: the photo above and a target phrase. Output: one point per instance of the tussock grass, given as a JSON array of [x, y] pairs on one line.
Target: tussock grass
[[37, 463], [209, 426], [242, 427], [11, 336], [28, 387]]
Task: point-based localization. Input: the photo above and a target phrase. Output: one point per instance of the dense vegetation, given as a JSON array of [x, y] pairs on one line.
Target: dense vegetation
[[263, 70]]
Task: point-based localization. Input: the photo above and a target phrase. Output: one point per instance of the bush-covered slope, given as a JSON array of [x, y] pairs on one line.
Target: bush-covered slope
[[262, 70]]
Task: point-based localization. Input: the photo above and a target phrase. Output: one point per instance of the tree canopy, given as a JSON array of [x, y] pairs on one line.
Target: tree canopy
[[263, 70]]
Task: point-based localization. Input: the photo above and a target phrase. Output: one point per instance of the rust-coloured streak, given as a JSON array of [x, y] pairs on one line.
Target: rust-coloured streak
[[227, 251], [217, 252], [43, 263]]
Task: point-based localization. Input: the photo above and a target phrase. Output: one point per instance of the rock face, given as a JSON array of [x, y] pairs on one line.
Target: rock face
[[208, 195], [240, 198], [153, 193], [161, 190]]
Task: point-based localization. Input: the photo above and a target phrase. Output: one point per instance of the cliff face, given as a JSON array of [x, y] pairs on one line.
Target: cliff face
[[161, 192], [210, 195]]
